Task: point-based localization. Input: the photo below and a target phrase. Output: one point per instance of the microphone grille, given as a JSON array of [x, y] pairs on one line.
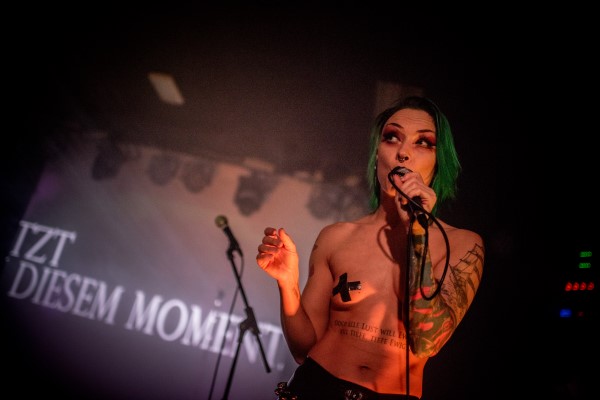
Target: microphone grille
[[400, 171], [221, 221], [403, 171]]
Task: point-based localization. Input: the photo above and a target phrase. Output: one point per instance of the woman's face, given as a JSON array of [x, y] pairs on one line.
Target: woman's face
[[407, 135]]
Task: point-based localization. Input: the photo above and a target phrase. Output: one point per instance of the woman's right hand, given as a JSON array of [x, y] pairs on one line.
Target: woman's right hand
[[277, 256]]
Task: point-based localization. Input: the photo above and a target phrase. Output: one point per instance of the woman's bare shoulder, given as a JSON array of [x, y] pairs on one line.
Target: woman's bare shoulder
[[337, 229], [341, 228], [462, 238]]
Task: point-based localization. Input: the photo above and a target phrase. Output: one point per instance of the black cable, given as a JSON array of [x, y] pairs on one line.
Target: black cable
[[423, 217], [406, 306], [231, 307]]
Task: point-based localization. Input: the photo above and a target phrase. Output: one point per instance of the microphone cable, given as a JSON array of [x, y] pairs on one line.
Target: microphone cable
[[424, 218]]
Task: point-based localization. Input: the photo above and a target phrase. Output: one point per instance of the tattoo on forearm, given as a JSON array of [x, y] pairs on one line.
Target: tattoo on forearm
[[432, 321]]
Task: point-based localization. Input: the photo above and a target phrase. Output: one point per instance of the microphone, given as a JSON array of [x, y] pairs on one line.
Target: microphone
[[401, 171], [221, 222]]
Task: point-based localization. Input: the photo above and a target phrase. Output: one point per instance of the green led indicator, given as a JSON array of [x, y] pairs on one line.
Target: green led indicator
[[585, 265], [585, 254]]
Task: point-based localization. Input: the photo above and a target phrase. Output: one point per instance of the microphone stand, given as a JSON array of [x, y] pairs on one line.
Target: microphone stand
[[248, 324]]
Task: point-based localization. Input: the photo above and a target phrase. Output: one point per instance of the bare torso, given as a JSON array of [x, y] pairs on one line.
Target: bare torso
[[365, 341]]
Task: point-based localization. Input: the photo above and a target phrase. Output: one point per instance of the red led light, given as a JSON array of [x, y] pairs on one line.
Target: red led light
[[579, 286]]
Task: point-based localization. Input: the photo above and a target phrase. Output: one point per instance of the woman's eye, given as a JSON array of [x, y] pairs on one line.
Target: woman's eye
[[390, 137], [426, 143]]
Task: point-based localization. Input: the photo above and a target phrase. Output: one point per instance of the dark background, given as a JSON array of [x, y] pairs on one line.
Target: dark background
[[294, 86]]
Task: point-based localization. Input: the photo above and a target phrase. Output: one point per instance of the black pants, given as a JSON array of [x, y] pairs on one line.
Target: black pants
[[313, 382]]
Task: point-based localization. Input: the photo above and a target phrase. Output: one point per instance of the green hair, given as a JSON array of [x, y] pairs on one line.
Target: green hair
[[447, 164]]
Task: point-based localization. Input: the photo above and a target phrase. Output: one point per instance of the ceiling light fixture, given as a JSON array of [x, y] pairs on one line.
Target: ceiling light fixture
[[165, 86]]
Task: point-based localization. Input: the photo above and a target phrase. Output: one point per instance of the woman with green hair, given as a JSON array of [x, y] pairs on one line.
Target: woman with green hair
[[447, 164], [386, 291]]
